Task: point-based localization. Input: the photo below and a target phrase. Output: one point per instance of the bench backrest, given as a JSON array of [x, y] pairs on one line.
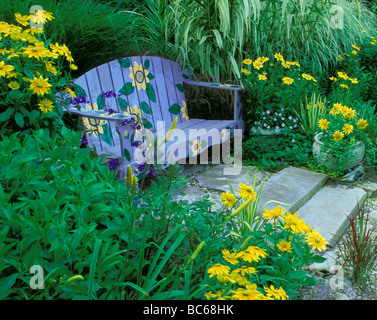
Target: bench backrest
[[153, 84]]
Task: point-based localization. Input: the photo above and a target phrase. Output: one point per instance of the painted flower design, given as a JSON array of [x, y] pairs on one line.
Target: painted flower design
[[195, 148], [95, 127], [184, 110], [138, 75]]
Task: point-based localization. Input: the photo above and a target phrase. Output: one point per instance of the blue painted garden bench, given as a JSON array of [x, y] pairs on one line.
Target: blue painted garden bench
[[150, 88]]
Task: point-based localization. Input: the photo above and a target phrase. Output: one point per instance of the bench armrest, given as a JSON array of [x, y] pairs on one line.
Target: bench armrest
[[214, 85], [101, 114]]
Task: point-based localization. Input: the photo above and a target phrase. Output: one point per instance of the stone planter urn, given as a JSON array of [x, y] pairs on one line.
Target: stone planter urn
[[266, 137], [330, 162]]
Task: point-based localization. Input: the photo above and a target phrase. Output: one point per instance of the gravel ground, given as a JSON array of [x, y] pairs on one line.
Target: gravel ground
[[330, 289]]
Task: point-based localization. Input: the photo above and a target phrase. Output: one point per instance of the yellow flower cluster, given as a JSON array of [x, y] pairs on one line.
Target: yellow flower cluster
[[245, 191], [345, 113], [19, 44]]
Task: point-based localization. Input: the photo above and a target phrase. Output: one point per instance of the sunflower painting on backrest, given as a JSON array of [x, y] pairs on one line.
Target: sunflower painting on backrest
[[139, 76]]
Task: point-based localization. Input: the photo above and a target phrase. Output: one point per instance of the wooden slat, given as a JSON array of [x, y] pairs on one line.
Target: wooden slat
[[214, 85], [178, 81], [106, 83], [118, 78]]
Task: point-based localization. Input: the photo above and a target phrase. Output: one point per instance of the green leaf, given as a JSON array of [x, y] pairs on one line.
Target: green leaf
[[150, 76], [122, 103], [145, 107], [125, 63], [127, 89], [4, 116], [106, 135], [19, 118], [150, 92], [127, 154], [317, 259], [147, 124], [79, 90], [175, 108], [6, 284], [180, 87], [100, 102], [147, 63]]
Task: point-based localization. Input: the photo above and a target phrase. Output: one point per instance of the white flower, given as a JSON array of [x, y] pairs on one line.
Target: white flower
[[293, 140], [283, 124]]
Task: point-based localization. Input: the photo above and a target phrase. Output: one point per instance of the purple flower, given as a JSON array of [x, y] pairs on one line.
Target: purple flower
[[113, 164], [108, 94], [84, 141], [136, 143], [78, 100], [111, 111], [293, 140], [148, 169], [268, 111], [281, 164]]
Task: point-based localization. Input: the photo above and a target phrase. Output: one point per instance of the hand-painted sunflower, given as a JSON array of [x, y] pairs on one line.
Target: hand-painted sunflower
[[184, 110], [139, 76]]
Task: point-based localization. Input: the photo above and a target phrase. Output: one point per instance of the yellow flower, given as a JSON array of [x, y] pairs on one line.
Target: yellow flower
[[354, 80], [344, 86], [46, 105], [228, 199], [357, 48], [138, 75], [247, 61], [278, 57], [195, 148], [5, 69], [218, 270], [50, 67], [372, 43], [286, 64], [338, 135], [293, 223], [72, 66], [223, 134], [317, 241], [287, 80], [257, 64], [334, 79], [284, 246], [349, 113], [41, 16], [275, 293], [246, 191], [22, 20], [244, 270], [363, 31], [348, 128], [14, 85], [323, 124], [273, 214], [248, 293], [71, 92], [229, 257], [210, 295], [308, 77], [40, 86], [362, 123], [245, 71], [262, 77], [57, 48], [342, 75], [184, 110], [354, 52], [37, 51], [252, 253]]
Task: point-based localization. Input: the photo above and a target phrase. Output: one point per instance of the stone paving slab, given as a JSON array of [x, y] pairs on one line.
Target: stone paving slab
[[294, 186], [214, 178], [328, 209]]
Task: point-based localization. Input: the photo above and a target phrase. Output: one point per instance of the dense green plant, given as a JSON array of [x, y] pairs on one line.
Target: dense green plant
[[32, 69], [359, 247], [61, 208]]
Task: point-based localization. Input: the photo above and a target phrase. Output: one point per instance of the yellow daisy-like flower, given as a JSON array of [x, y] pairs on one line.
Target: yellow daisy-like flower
[[22, 20], [223, 134], [344, 86], [355, 47], [348, 128], [246, 191], [354, 52], [316, 240], [286, 64], [36, 51], [277, 294], [372, 43], [5, 69], [228, 199], [308, 77], [46, 105], [363, 31], [57, 48], [243, 270], [14, 85], [293, 223], [210, 295], [50, 67], [334, 79], [262, 77], [349, 113], [278, 57], [248, 293], [229, 257], [284, 246], [273, 214], [195, 148], [342, 75], [40, 86], [71, 92], [323, 124], [138, 75], [338, 135], [287, 80], [218, 270], [252, 253], [354, 80], [257, 64], [41, 16], [245, 71], [72, 66], [362, 123], [184, 110], [248, 61]]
